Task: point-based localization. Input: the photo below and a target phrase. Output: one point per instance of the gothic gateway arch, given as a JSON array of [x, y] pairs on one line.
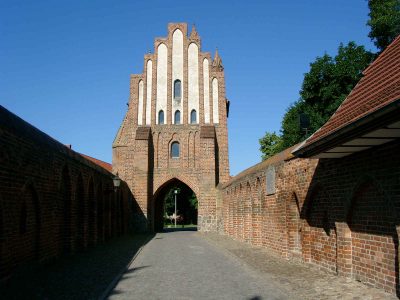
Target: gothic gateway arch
[[175, 127]]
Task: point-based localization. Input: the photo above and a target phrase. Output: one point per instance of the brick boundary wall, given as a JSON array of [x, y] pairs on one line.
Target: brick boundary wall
[[341, 215], [53, 201]]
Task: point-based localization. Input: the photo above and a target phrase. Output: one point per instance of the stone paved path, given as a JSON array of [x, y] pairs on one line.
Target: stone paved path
[[304, 280], [192, 265], [180, 265], [84, 275], [183, 265]]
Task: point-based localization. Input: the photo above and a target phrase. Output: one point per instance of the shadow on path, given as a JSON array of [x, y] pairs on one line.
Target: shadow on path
[[179, 228], [84, 275]]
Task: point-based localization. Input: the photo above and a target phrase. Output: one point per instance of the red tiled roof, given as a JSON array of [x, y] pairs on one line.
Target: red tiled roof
[[98, 162], [379, 87]]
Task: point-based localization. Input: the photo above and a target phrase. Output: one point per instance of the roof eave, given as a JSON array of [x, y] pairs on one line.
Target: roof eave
[[372, 121]]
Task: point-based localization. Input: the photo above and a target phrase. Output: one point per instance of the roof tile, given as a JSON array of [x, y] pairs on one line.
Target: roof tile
[[98, 162]]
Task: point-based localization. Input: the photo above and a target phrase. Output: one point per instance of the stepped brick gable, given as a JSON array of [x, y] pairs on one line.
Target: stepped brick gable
[[178, 99]]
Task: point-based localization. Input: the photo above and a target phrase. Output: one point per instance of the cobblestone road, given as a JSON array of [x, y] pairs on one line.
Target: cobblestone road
[[183, 265], [180, 265], [84, 275], [302, 280], [191, 265]]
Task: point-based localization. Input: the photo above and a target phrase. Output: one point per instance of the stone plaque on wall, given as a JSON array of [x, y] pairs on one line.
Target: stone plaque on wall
[[270, 180]]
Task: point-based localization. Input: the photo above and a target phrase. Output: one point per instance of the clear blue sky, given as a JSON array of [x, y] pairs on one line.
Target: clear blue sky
[[65, 65]]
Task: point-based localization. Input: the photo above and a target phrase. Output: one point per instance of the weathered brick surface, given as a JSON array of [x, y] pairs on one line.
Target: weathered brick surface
[[52, 200], [339, 214]]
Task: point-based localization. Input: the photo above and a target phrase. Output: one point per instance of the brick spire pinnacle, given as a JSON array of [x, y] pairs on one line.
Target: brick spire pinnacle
[[194, 35], [217, 62]]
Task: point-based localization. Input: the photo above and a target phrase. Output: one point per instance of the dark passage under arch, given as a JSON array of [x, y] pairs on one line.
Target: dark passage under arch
[[164, 206]]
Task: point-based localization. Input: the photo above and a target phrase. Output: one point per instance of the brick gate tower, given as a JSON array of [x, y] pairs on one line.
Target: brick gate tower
[[175, 128]]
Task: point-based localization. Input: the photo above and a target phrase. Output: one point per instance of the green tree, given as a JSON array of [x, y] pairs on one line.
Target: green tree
[[193, 201], [270, 144], [290, 129], [169, 200], [187, 204], [324, 88], [384, 21], [330, 80]]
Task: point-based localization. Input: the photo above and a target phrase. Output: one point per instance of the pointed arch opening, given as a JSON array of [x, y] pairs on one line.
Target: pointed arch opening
[[113, 215], [164, 207], [80, 204], [322, 229], [247, 214], [29, 225], [257, 213], [91, 214], [372, 217], [2, 239], [66, 212], [120, 210], [107, 198], [294, 225], [100, 214]]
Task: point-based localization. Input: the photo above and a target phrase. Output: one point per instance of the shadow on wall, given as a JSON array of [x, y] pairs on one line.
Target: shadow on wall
[[350, 219], [138, 221], [341, 215], [54, 202]]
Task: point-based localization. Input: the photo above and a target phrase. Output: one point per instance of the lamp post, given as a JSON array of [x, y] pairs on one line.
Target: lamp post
[[116, 181], [176, 193]]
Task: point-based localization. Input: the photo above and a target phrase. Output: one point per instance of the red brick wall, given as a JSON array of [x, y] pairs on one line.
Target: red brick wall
[[372, 221], [320, 231], [48, 203], [341, 215]]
